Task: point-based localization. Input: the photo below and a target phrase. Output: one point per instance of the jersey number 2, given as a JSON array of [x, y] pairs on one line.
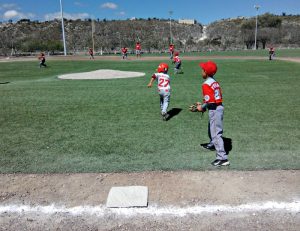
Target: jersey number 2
[[217, 94]]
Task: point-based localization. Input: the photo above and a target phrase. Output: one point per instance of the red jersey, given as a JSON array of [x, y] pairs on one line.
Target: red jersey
[[138, 46], [177, 59], [171, 48], [211, 91], [124, 50]]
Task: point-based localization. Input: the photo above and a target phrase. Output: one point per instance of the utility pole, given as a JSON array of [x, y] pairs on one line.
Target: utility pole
[[256, 7], [63, 28], [171, 12]]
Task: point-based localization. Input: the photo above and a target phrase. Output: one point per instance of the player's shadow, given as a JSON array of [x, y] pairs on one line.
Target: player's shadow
[[227, 144], [173, 112]]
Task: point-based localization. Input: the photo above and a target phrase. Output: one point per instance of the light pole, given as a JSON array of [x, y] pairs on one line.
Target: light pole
[[256, 7], [93, 32], [63, 28], [171, 12]]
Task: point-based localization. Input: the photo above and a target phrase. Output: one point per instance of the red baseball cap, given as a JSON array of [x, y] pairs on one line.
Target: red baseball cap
[[209, 67]]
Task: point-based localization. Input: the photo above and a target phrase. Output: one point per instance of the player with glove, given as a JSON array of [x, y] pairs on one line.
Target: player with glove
[[164, 88], [196, 107], [212, 101]]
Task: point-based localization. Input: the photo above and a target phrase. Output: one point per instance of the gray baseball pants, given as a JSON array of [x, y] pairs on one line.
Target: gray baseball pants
[[215, 131], [164, 101]]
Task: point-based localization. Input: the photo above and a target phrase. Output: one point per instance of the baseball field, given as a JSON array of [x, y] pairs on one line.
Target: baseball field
[[75, 130]]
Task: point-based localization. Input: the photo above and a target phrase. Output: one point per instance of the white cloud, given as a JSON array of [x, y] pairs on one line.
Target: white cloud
[[10, 14], [52, 16], [9, 6], [109, 5]]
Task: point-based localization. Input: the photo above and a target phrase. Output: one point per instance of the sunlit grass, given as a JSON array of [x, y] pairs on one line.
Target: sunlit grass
[[52, 125]]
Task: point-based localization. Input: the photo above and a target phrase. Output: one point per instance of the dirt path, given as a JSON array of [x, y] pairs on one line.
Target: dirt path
[[149, 58], [190, 199]]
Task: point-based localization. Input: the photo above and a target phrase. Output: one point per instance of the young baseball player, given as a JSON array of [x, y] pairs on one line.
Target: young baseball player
[[164, 88], [42, 60], [271, 53], [171, 50], [124, 53], [212, 101], [177, 62], [91, 53], [138, 49]]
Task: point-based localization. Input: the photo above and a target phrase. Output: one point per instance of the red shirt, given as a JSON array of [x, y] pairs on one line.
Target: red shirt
[[124, 50], [177, 59], [171, 48], [211, 91], [138, 46]]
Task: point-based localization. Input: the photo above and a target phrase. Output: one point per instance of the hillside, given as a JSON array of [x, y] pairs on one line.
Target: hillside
[[27, 36]]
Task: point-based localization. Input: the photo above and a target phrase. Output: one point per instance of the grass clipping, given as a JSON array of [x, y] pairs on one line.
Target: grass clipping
[[102, 74]]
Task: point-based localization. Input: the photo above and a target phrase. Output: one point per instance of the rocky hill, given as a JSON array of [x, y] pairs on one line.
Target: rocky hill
[[27, 36]]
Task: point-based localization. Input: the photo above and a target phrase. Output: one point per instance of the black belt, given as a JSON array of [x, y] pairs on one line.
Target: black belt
[[213, 106]]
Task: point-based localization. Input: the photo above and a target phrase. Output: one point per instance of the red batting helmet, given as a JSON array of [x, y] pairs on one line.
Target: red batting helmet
[[163, 67], [209, 67]]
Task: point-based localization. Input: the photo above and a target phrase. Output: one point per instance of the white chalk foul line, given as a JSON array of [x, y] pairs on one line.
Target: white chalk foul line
[[102, 210]]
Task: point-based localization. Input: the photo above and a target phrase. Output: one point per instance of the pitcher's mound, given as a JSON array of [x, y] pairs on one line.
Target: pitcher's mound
[[102, 74]]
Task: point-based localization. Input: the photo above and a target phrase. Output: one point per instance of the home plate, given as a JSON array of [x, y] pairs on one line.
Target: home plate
[[130, 196]]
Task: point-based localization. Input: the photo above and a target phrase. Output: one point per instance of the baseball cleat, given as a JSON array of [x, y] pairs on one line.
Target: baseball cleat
[[165, 116], [219, 163], [208, 146]]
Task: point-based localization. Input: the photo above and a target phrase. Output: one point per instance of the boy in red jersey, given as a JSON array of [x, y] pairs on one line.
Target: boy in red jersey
[[91, 53], [124, 52], [138, 49], [177, 61], [171, 50], [212, 101]]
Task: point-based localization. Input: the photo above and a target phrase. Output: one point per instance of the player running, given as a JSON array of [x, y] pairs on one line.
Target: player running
[[164, 88], [42, 60], [177, 61]]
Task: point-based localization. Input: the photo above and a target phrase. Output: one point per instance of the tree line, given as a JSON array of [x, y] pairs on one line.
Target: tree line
[[155, 35]]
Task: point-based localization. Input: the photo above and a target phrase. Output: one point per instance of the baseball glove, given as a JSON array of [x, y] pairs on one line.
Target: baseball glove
[[193, 107]]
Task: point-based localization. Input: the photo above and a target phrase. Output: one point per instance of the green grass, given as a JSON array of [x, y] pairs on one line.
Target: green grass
[[52, 125]]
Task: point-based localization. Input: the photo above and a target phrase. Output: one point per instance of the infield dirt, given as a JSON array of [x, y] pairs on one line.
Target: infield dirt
[[180, 189]]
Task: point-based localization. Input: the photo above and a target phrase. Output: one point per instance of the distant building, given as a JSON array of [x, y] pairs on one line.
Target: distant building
[[187, 21]]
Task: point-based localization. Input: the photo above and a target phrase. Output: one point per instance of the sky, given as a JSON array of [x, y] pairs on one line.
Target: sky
[[204, 11]]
